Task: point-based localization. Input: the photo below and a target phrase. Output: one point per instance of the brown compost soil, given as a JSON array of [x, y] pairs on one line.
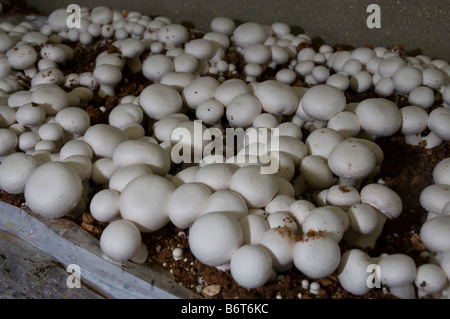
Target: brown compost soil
[[406, 169]]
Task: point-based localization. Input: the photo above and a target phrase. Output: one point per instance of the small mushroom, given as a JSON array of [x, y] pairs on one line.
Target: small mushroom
[[331, 220], [120, 240], [438, 123], [434, 197], [53, 190], [352, 272], [214, 238], [352, 161], [279, 242], [15, 170], [251, 266], [441, 172], [104, 206], [398, 272], [145, 200], [435, 233], [430, 279], [187, 203], [414, 122], [317, 256]]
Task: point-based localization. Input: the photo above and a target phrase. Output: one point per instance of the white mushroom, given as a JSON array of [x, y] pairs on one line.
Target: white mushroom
[[279, 242], [103, 139], [323, 101], [331, 220], [104, 206], [145, 201], [379, 117], [253, 228], [441, 172], [120, 240], [321, 142], [214, 238], [435, 233], [277, 97], [352, 161], [125, 174], [257, 189], [434, 197], [414, 122], [438, 123], [228, 201], [15, 170], [53, 190], [159, 101], [108, 76], [251, 266], [352, 271], [398, 272], [430, 279], [315, 172], [317, 256], [187, 203]]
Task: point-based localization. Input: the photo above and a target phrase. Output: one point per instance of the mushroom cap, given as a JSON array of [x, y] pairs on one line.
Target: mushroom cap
[[104, 205], [53, 190], [382, 198], [414, 119], [323, 101], [229, 201], [242, 110], [397, 270], [231, 88], [22, 56], [125, 174], [316, 172], [331, 220], [277, 97], [434, 197], [435, 233], [430, 278], [253, 228], [155, 66], [131, 47], [279, 243], [15, 170], [379, 117], [199, 90], [352, 271], [342, 196], [441, 172], [144, 201], [73, 120], [251, 266], [142, 152], [50, 97], [351, 159], [175, 34], [406, 79], [217, 176], [159, 101], [317, 256], [215, 237], [183, 210], [120, 240], [249, 33], [103, 139], [363, 218], [321, 142], [439, 122], [107, 74], [257, 189]]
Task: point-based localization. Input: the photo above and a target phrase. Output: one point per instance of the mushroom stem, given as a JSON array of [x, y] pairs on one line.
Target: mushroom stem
[[407, 291], [366, 241], [106, 90], [432, 140], [413, 139]]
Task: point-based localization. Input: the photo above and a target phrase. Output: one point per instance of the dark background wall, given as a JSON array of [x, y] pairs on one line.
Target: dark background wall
[[422, 27]]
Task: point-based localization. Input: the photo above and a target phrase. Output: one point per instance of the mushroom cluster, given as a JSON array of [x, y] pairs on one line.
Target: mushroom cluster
[[325, 192]]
